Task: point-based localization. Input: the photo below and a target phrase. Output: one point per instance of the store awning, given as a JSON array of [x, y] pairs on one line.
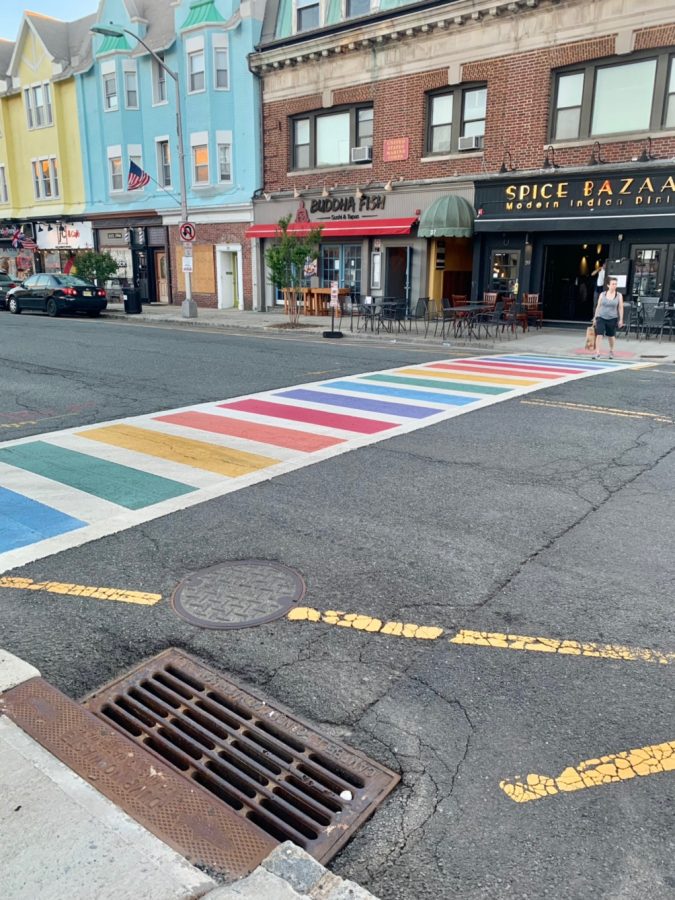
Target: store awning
[[339, 228], [449, 216]]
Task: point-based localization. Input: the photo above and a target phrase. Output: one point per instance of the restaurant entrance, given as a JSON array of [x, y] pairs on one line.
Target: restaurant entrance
[[569, 283]]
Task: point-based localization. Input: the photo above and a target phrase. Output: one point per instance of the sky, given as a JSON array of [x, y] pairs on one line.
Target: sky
[[11, 12]]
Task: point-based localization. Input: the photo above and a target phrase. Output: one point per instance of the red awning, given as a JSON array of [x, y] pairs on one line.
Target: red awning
[[339, 228]]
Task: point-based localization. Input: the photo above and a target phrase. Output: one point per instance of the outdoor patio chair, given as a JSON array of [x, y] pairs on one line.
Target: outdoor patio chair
[[655, 321], [420, 314], [532, 309]]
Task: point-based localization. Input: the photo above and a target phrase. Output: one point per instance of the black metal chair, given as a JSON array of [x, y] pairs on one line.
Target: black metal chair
[[512, 318], [494, 318], [420, 314], [392, 313], [655, 320]]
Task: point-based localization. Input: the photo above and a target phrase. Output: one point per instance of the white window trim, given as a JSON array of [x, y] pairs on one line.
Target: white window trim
[[4, 189], [134, 151], [129, 67], [30, 116], [163, 139], [156, 68], [53, 178], [322, 14], [224, 137], [106, 108], [115, 152], [194, 45], [198, 139], [220, 42]]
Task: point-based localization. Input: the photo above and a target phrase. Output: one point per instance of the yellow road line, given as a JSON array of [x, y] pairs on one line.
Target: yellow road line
[[501, 641], [365, 623], [188, 452], [616, 767], [492, 639], [81, 590], [602, 410]]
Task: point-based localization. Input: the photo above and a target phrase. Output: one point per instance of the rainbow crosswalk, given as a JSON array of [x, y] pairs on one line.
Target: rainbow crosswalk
[[69, 487]]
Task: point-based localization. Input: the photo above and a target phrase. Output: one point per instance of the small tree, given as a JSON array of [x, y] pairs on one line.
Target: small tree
[[286, 261], [96, 267]]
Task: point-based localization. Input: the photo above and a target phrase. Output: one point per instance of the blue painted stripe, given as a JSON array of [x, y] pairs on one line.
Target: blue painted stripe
[[561, 363], [370, 388], [379, 406], [24, 521]]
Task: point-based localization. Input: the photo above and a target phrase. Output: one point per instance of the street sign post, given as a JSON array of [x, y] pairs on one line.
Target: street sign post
[[334, 304], [187, 231]]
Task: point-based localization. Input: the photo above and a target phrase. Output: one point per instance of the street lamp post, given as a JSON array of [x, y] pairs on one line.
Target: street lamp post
[[188, 307]]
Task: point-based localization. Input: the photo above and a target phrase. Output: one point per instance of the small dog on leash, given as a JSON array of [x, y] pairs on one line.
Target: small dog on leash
[[590, 338]]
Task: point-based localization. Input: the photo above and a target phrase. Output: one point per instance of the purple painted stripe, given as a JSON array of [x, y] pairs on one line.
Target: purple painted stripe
[[378, 406]]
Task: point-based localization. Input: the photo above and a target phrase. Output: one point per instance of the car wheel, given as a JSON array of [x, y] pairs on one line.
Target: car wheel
[[52, 308], [14, 306]]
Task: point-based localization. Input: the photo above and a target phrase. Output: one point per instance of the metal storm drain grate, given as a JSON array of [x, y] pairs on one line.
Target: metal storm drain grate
[[268, 766], [238, 594]]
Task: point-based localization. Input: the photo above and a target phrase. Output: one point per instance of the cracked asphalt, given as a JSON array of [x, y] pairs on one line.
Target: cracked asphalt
[[523, 519]]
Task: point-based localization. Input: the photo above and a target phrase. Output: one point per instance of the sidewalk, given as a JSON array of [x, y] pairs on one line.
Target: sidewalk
[[549, 341], [62, 839]]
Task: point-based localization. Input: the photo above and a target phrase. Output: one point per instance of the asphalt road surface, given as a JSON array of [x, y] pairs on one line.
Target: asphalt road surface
[[547, 516]]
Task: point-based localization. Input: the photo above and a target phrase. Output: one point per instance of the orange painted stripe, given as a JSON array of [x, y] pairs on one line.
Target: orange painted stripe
[[456, 375], [252, 431]]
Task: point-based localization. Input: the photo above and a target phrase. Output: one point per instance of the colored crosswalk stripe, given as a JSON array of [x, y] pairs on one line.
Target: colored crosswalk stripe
[[79, 484]]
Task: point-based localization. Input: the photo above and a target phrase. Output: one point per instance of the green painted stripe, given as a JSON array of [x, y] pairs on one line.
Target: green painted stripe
[[440, 384], [107, 480]]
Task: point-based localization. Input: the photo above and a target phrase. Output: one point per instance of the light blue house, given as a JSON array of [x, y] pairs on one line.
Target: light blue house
[[127, 106]]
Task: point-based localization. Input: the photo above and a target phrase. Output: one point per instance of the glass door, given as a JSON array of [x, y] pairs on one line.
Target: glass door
[[669, 286], [648, 272]]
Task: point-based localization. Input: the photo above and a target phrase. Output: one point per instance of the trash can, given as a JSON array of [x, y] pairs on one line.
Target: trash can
[[132, 301]]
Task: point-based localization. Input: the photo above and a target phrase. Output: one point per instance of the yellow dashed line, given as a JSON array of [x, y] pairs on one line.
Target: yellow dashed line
[[492, 639], [601, 410], [81, 590], [501, 641], [365, 623], [617, 767]]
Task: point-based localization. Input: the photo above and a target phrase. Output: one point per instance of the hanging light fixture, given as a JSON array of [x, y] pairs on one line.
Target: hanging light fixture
[[358, 193], [596, 156], [506, 166], [646, 155], [324, 192], [296, 193], [388, 186], [549, 159]]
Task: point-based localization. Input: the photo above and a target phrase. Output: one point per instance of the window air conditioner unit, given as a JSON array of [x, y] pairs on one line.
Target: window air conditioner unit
[[471, 142], [362, 154]]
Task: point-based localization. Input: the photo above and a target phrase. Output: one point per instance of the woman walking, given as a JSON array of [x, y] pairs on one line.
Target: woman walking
[[608, 313]]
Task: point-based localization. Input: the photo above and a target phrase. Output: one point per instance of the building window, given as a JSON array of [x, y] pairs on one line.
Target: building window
[[504, 271], [38, 102], [325, 139], [599, 99], [224, 163], [116, 173], [196, 81], [453, 115], [200, 164], [45, 178], [158, 82], [569, 96], [164, 163], [357, 8], [669, 121], [307, 15], [110, 91], [4, 194], [623, 97], [221, 71], [136, 157], [131, 89]]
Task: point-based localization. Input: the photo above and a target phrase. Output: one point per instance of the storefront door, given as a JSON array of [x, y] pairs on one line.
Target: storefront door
[[161, 276], [397, 277], [569, 282]]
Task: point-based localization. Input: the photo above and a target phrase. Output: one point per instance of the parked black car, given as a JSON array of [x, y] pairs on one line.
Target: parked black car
[[6, 282], [55, 294]]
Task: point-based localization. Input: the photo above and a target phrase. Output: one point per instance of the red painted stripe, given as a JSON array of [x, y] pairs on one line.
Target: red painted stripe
[[495, 370], [509, 367], [251, 431], [313, 416]]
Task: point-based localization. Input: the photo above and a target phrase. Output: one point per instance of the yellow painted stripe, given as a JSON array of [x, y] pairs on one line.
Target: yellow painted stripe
[[493, 640], [81, 590], [196, 454], [462, 376], [616, 767], [601, 410], [500, 641], [365, 623]]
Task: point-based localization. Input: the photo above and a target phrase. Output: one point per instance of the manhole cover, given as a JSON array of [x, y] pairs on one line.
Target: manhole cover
[[270, 767], [238, 594]]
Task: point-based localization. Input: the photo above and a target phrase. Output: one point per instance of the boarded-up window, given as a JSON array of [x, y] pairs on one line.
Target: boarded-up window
[[204, 270]]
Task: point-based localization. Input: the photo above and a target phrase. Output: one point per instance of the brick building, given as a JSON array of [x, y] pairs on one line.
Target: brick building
[[466, 146]]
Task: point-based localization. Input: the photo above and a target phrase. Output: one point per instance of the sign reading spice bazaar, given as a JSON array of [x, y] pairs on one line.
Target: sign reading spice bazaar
[[629, 193]]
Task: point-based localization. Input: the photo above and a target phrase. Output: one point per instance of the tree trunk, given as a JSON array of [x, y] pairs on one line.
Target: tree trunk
[[294, 306]]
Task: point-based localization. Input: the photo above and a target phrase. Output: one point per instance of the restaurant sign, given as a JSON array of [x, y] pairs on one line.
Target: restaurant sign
[[620, 194], [349, 206]]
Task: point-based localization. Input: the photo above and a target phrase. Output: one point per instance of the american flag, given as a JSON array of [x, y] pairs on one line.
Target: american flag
[[21, 242], [137, 177]]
